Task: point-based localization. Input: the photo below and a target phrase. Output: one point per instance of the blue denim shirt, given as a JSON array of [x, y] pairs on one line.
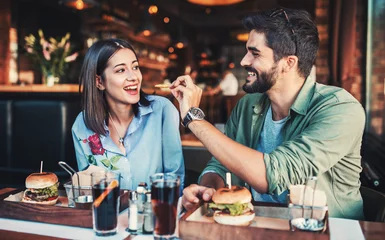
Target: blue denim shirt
[[152, 143]]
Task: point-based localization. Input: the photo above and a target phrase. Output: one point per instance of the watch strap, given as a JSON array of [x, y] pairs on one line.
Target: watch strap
[[187, 119]]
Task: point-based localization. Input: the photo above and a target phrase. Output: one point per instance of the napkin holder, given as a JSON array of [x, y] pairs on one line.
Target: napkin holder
[[307, 207]]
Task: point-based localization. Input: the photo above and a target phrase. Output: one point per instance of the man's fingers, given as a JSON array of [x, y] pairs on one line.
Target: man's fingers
[[188, 205], [191, 193], [180, 81], [208, 194], [185, 80]]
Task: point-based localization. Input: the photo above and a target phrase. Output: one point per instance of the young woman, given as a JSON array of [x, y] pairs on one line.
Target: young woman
[[121, 128]]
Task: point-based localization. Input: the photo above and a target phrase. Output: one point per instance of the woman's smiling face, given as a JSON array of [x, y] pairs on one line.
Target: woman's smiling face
[[122, 78]]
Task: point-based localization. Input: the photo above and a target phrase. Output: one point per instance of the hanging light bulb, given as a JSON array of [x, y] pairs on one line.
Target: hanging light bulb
[[80, 4], [215, 2], [146, 26], [181, 40], [153, 9]]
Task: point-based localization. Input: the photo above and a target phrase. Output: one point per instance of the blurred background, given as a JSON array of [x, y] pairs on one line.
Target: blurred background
[[172, 37]]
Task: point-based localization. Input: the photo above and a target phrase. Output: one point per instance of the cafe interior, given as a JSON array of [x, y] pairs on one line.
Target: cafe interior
[[173, 38]]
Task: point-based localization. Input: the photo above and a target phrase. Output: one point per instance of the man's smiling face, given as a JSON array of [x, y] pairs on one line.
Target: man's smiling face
[[260, 65]]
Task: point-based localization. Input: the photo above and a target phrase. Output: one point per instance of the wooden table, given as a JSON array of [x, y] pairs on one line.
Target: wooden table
[[371, 230]]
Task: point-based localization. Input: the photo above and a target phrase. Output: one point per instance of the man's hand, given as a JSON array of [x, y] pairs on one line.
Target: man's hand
[[187, 93], [193, 193]]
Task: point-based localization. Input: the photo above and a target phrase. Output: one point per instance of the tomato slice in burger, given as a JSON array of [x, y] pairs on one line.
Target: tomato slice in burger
[[51, 198]]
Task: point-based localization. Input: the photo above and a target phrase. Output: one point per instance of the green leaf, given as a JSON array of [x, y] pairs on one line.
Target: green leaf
[[114, 168], [115, 159], [106, 163], [91, 159]]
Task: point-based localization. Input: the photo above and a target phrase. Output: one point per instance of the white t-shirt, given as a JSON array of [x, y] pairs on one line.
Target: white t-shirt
[[229, 85]]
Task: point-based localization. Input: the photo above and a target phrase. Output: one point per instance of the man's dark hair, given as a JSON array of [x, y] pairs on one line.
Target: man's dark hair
[[288, 32], [94, 102]]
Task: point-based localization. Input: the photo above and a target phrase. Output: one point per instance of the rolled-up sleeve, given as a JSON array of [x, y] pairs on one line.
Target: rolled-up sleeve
[[332, 133]]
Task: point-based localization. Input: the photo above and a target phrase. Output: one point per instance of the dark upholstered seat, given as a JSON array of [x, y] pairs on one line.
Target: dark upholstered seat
[[374, 204]]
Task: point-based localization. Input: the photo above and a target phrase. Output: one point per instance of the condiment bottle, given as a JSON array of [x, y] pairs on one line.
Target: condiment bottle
[[133, 212], [148, 225], [141, 190]]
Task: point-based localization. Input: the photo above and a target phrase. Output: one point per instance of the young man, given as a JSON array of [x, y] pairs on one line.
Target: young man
[[288, 128]]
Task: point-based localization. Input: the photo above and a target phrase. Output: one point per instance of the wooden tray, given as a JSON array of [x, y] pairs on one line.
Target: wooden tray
[[269, 222], [50, 214]]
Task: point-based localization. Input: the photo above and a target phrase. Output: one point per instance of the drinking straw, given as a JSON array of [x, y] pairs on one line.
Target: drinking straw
[[100, 199], [41, 166], [228, 180]]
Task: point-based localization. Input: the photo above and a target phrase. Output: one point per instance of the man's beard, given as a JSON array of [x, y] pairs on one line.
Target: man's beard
[[263, 82]]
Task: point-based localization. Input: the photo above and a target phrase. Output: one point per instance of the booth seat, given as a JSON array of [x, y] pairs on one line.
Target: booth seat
[[33, 128]]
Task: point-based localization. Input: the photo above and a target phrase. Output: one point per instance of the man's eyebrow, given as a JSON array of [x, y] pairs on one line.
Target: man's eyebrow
[[254, 49], [135, 61]]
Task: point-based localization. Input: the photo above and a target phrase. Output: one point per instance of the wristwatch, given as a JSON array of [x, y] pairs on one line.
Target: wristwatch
[[193, 114]]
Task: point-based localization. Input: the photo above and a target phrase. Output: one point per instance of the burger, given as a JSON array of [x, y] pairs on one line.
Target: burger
[[232, 206], [42, 188]]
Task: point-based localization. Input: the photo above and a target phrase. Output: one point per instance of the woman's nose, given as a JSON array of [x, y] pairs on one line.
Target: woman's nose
[[131, 76]]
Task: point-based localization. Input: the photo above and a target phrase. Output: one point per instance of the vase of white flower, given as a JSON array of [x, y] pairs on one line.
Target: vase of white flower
[[52, 57]]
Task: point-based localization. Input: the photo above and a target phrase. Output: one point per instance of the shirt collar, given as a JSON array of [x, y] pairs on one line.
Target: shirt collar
[[300, 104], [143, 110], [302, 101]]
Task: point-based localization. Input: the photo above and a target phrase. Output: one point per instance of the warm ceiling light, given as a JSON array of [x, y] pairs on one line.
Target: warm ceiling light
[[78, 4], [173, 56], [170, 49], [179, 45], [215, 2], [243, 37], [153, 9], [166, 20], [146, 33], [231, 65]]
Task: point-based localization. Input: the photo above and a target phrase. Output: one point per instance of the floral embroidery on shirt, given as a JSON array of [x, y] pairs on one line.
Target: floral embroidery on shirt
[[96, 145], [97, 149]]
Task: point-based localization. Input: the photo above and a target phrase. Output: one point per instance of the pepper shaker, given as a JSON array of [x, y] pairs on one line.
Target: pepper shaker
[[148, 225]]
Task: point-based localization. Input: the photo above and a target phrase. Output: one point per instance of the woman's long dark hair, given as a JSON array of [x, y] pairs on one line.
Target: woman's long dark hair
[[94, 103]]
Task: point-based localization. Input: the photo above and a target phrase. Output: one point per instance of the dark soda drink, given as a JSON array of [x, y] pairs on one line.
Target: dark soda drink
[[105, 215], [164, 201]]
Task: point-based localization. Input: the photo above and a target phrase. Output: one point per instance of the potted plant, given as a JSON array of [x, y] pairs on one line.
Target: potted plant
[[51, 56]]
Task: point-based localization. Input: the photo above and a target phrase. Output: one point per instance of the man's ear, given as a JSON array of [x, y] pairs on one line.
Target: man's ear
[[291, 63], [99, 83]]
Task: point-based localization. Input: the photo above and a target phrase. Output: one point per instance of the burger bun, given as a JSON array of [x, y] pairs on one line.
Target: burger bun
[[227, 219], [41, 180], [236, 194]]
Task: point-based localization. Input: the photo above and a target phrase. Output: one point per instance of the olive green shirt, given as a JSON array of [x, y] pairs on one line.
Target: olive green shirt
[[322, 137]]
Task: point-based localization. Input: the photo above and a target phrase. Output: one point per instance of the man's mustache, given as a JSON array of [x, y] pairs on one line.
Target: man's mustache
[[250, 69]]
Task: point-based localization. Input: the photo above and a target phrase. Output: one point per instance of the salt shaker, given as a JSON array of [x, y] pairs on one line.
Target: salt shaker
[[141, 190], [133, 212], [148, 225]]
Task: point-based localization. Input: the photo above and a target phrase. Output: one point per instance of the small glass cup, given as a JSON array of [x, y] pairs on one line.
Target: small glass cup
[[164, 200], [105, 208], [84, 197]]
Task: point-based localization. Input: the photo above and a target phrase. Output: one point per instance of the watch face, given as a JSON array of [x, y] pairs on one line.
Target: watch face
[[197, 113]]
